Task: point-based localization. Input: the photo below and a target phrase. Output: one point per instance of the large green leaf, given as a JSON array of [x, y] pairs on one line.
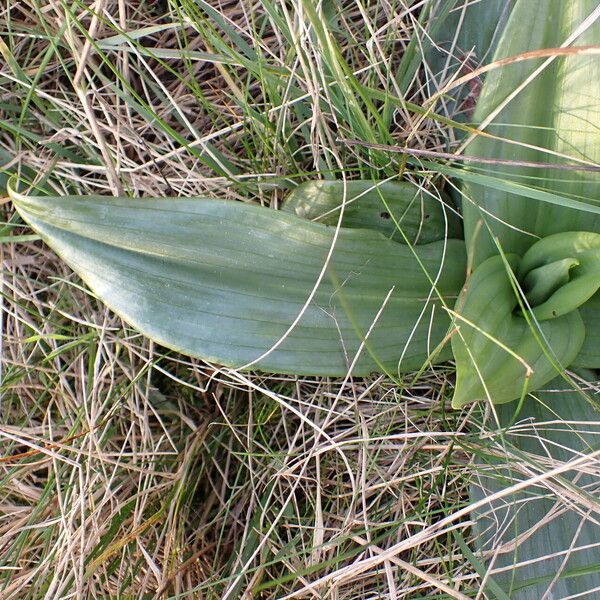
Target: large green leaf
[[233, 283], [557, 109], [535, 543]]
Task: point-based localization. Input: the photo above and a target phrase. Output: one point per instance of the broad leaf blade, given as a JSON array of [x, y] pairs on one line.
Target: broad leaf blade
[[535, 542], [225, 281], [557, 109]]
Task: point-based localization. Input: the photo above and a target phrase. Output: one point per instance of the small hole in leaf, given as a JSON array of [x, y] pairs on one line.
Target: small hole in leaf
[[385, 215], [426, 216]]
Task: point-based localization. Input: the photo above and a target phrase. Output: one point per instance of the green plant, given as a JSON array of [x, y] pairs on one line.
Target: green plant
[[274, 291]]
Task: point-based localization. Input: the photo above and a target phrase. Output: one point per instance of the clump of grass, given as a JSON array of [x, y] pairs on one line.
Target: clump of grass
[[129, 471]]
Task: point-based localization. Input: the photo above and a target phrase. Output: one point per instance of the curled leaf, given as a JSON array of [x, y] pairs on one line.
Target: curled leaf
[[570, 262], [540, 283], [502, 353], [390, 207]]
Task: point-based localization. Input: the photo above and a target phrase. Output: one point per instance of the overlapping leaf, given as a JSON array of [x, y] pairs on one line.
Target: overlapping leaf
[[400, 210]]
